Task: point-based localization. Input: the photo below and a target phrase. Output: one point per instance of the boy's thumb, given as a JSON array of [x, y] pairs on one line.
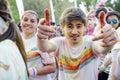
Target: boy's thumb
[[102, 16]]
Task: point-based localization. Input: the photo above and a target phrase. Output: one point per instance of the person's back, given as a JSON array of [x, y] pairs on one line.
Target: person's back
[[12, 66], [12, 53]]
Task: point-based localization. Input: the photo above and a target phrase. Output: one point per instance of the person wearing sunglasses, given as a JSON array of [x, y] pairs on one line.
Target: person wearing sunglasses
[[113, 18], [108, 64]]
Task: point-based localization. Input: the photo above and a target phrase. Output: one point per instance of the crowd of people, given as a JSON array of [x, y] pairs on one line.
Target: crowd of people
[[82, 47]]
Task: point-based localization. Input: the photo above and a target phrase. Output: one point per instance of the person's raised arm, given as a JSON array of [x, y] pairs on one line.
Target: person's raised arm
[[43, 32], [105, 40]]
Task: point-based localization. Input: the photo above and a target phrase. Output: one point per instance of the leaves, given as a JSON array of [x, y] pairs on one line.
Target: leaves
[[59, 6], [14, 10]]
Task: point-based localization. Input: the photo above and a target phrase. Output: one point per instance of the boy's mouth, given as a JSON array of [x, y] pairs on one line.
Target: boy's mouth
[[74, 37]]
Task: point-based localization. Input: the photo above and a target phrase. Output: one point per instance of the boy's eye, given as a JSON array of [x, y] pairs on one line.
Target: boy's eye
[[70, 26], [79, 26]]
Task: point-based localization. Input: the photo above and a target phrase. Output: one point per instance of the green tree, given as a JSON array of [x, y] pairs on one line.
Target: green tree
[[40, 5], [14, 10], [89, 3], [115, 5], [59, 7], [36, 5]]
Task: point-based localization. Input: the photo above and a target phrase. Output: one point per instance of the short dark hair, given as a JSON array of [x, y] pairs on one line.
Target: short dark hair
[[73, 13], [113, 13], [99, 10]]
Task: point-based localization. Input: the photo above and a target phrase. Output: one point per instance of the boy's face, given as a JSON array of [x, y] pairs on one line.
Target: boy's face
[[74, 31]]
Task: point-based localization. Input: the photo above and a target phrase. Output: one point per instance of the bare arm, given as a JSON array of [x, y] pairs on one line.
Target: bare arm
[[50, 68], [45, 45], [105, 40], [43, 32], [107, 62]]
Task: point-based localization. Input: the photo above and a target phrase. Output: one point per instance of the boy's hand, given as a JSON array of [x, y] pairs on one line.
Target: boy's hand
[[43, 31], [102, 19], [108, 36]]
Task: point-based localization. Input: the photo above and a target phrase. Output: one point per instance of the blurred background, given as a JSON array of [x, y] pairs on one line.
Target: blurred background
[[56, 7]]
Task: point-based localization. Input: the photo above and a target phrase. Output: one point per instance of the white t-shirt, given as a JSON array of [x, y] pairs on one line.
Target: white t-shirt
[[12, 66], [117, 70], [35, 58], [117, 55], [76, 63]]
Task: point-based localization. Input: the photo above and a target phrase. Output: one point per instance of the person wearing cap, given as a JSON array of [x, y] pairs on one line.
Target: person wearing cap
[[12, 52]]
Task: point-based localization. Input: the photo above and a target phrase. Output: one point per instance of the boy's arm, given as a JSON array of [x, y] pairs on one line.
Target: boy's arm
[[105, 40], [43, 32], [99, 49], [45, 45]]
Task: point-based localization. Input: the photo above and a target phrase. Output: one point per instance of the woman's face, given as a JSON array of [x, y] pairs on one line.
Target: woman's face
[[29, 23], [113, 20]]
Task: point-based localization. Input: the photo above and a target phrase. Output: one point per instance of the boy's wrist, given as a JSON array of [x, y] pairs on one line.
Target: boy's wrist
[[102, 68]]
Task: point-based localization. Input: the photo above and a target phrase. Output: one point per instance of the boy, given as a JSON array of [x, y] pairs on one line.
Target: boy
[[77, 55]]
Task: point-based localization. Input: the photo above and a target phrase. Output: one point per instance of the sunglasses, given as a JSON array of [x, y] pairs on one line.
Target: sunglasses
[[114, 21]]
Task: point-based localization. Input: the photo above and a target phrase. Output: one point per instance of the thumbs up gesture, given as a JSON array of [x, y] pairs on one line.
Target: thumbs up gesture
[[102, 21], [108, 35]]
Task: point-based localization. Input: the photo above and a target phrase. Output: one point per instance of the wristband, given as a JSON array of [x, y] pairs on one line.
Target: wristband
[[102, 68], [32, 71]]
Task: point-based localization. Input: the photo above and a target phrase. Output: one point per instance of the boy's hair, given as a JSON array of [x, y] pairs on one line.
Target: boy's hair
[[113, 13], [99, 10], [71, 14]]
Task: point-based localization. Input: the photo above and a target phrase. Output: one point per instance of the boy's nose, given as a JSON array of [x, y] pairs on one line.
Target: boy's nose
[[74, 31]]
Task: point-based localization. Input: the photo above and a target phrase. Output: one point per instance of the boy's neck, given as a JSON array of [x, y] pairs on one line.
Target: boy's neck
[[76, 44]]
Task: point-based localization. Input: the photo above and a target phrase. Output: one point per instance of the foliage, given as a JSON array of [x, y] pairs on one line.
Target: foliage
[[40, 5], [115, 5], [59, 6], [89, 3], [14, 10], [36, 5]]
